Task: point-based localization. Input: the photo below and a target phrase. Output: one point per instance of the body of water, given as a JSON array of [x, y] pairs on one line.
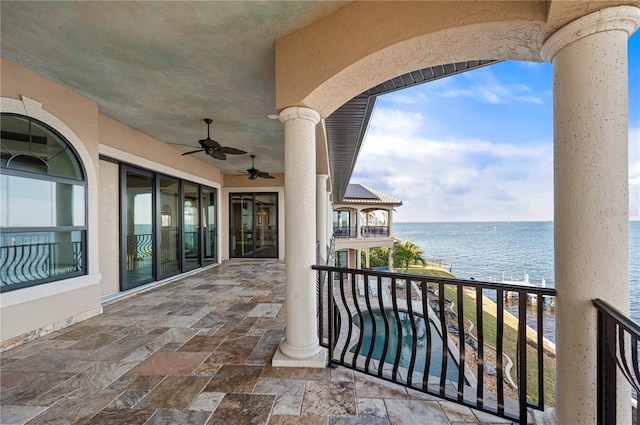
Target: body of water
[[489, 251]]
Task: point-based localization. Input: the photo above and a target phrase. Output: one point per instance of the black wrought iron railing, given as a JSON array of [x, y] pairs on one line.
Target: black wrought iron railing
[[618, 352], [375, 231], [365, 232], [345, 232], [449, 338], [37, 261]]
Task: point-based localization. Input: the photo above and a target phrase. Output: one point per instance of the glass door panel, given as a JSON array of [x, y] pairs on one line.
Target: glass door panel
[[191, 226], [266, 225], [138, 222], [241, 228], [253, 225], [209, 225], [169, 227]]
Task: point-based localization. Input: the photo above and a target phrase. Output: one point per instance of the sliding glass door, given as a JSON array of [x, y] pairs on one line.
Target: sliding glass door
[[209, 227], [168, 226], [191, 231], [253, 225], [137, 222]]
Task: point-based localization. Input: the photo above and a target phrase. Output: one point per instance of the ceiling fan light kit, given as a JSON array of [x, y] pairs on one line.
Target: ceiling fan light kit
[[213, 148]]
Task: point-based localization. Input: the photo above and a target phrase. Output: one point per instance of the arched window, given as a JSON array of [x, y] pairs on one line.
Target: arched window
[[43, 205]]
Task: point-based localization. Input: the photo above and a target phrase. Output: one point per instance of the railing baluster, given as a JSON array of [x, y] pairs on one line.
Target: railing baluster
[[320, 295], [499, 349], [383, 311], [445, 338], [354, 293], [540, 342], [427, 324], [480, 333], [349, 323], [461, 342], [394, 303], [414, 334], [522, 356], [636, 364], [330, 318], [610, 386], [623, 364], [373, 324]]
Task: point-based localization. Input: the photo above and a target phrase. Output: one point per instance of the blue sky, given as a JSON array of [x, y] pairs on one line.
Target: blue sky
[[478, 146]]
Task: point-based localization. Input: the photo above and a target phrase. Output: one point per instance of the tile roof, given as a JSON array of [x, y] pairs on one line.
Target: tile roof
[[359, 194]]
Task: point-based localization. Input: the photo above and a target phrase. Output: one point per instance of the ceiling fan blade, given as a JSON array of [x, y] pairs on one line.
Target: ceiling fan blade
[[190, 152], [232, 151], [210, 143], [264, 175], [217, 154]]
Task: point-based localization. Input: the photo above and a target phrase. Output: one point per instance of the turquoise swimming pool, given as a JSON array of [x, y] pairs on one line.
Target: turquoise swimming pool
[[406, 337]]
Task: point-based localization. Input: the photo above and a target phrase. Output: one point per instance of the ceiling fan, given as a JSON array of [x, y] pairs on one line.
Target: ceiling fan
[[213, 148], [255, 173]]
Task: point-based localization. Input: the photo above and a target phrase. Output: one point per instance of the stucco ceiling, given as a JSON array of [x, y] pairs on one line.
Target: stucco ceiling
[[161, 67]]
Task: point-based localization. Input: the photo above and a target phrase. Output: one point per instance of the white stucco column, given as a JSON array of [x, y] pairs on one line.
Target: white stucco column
[[358, 224], [358, 259], [591, 199], [390, 260], [390, 221], [321, 211], [367, 259], [300, 346]]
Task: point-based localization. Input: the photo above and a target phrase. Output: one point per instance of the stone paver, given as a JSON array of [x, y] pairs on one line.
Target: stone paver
[[198, 350]]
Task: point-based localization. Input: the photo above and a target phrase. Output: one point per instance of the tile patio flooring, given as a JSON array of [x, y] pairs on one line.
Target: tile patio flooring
[[198, 351]]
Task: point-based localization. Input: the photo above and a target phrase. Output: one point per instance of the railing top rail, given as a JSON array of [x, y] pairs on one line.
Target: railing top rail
[[471, 283], [617, 315]]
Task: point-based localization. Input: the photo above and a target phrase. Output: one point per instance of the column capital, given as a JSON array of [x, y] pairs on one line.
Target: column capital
[[293, 112], [621, 18]]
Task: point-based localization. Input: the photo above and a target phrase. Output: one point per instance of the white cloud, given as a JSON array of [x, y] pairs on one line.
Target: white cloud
[[455, 180], [486, 88]]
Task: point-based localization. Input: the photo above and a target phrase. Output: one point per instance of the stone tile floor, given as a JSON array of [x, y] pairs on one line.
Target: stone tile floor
[[198, 350]]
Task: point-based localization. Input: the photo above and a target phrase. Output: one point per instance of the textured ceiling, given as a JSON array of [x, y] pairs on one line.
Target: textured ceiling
[[161, 67]]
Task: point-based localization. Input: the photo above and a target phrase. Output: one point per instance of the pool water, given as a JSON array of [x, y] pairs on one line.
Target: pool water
[[435, 365]]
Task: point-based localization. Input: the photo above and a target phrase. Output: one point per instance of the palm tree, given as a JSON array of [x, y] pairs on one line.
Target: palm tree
[[406, 253]]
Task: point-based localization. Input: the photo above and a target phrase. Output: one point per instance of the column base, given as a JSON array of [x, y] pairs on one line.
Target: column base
[[548, 417], [313, 356]]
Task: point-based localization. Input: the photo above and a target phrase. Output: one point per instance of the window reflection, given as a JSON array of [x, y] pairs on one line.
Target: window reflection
[[29, 202]]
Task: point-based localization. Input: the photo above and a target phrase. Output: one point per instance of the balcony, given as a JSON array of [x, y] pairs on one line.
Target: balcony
[[367, 232], [198, 350]]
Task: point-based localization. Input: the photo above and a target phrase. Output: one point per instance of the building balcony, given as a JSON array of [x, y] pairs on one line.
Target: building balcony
[[366, 232]]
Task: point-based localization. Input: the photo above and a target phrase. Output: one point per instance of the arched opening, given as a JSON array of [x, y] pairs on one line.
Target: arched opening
[[44, 205]]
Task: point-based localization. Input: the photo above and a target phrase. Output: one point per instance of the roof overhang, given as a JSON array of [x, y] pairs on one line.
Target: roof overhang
[[347, 126]]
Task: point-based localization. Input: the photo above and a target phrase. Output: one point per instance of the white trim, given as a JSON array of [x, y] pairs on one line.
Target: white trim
[[45, 290], [33, 109], [141, 162]]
